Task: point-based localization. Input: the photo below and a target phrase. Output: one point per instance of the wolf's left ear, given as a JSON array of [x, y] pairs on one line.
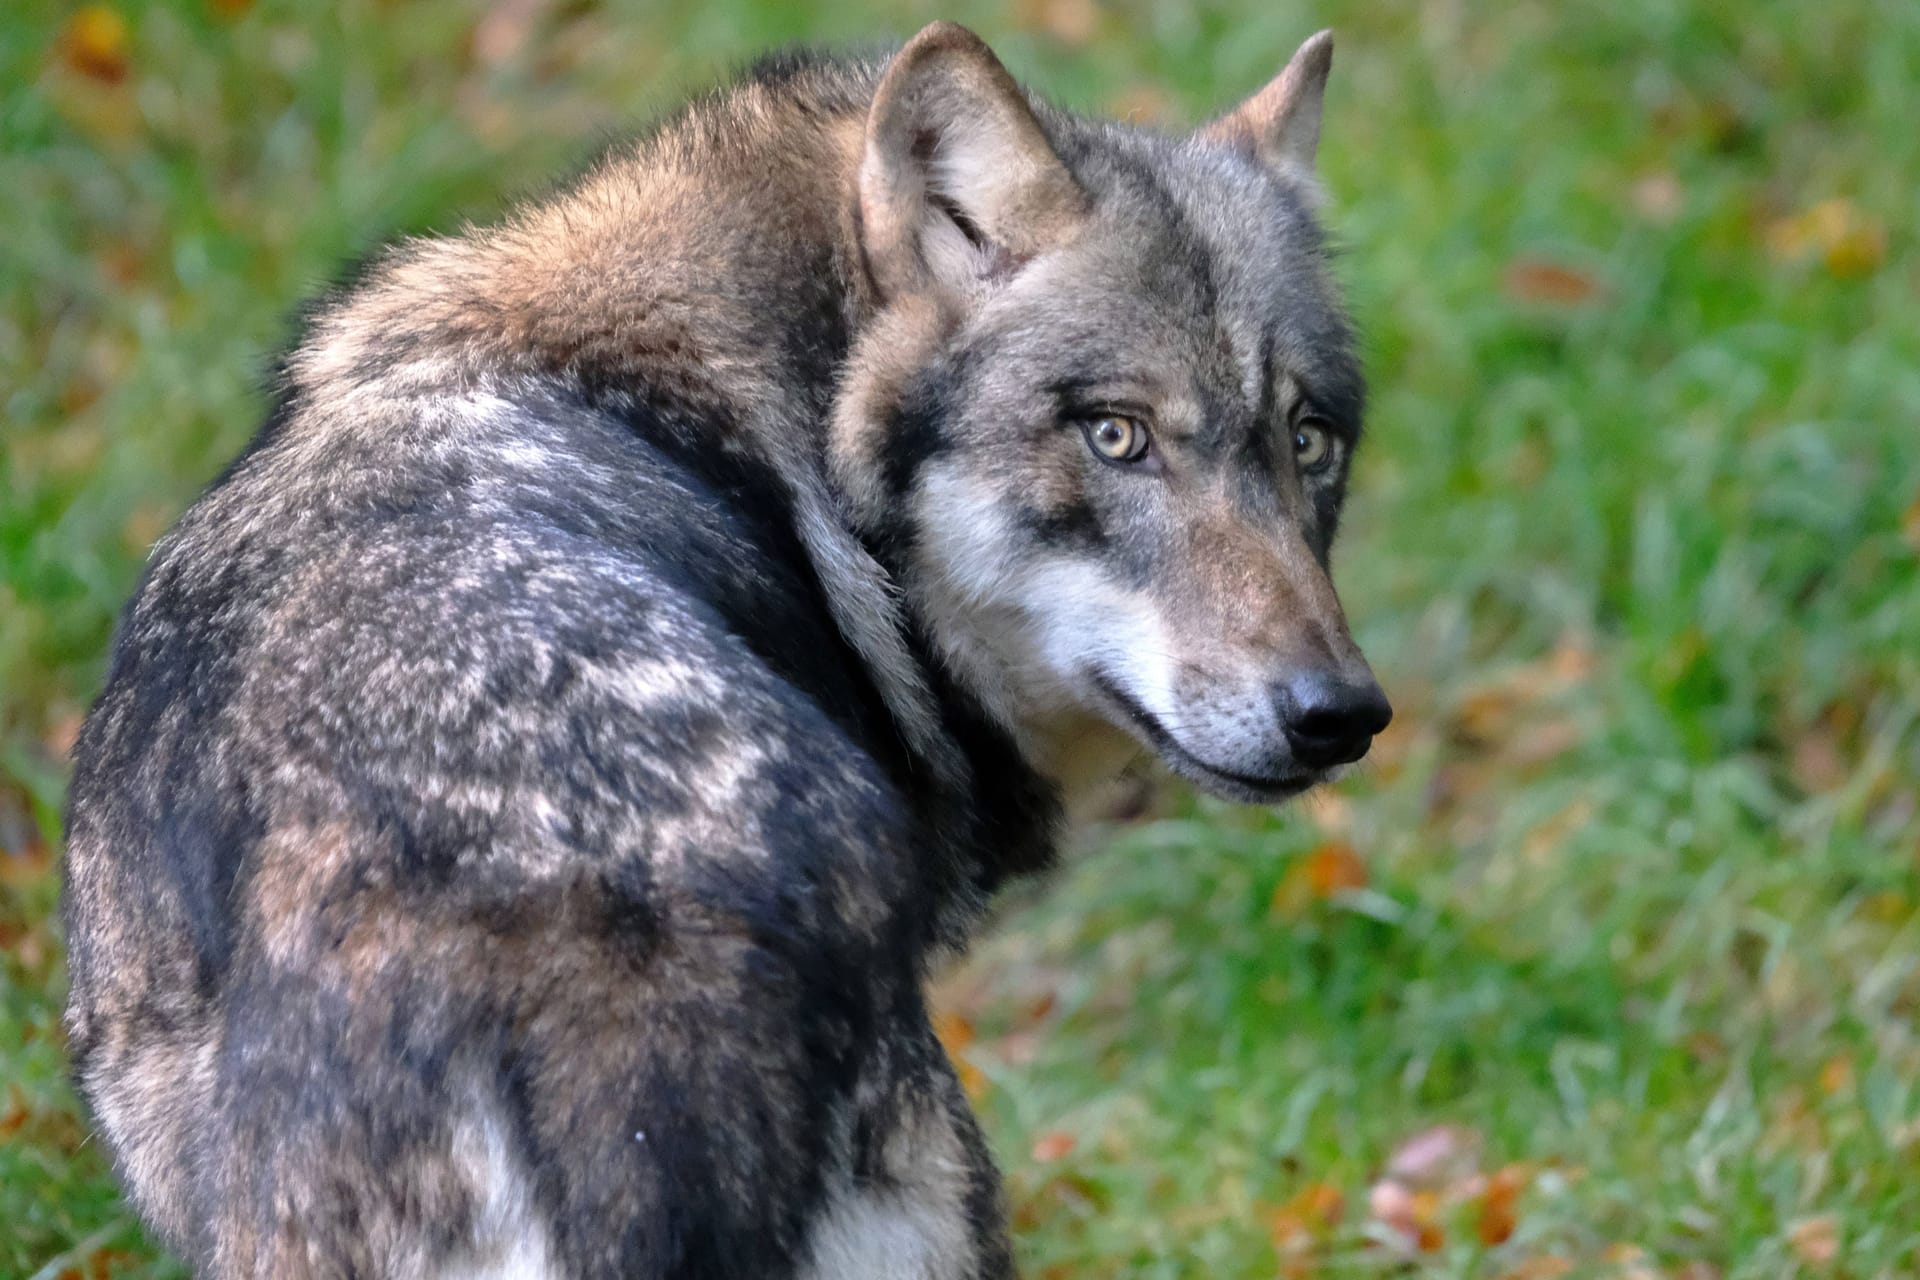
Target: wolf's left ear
[[958, 184], [1281, 124]]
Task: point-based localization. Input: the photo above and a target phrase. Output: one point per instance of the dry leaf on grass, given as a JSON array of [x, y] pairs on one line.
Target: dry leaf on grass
[[1536, 280], [1052, 1146], [1500, 1205], [1433, 1178], [1310, 1214], [956, 1034], [1850, 243], [95, 43], [1330, 868], [1072, 22], [1412, 1217]]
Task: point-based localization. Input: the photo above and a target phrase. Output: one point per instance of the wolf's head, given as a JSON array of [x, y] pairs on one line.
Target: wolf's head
[[1100, 415]]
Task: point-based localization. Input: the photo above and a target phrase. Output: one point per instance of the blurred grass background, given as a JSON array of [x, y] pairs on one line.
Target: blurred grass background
[[1605, 965]]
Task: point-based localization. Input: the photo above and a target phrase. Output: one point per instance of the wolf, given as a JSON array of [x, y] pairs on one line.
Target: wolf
[[533, 783]]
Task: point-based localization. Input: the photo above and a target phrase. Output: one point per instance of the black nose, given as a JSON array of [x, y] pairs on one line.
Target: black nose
[[1330, 721]]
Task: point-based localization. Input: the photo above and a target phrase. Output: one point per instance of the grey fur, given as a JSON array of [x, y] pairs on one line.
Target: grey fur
[[534, 782]]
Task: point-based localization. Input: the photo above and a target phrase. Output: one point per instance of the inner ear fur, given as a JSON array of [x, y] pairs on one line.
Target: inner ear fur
[[1280, 125], [958, 184]]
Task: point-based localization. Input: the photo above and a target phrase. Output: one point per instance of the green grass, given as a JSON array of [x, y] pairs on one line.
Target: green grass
[[1635, 547]]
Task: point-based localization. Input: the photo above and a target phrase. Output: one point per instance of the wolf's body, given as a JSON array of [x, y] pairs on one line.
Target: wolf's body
[[532, 783]]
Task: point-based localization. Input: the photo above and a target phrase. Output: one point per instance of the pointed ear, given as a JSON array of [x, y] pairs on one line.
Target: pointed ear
[[1281, 124], [958, 185]]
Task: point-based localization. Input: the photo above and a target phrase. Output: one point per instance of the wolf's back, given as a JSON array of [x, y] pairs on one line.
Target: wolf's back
[[428, 765]]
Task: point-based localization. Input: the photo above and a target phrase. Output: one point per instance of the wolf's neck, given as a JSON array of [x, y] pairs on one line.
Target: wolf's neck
[[702, 263], [710, 269]]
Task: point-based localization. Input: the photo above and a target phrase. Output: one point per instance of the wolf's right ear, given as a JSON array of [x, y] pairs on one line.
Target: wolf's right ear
[[958, 185]]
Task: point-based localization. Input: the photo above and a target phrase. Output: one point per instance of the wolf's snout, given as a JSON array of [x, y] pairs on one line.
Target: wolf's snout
[[1329, 720]]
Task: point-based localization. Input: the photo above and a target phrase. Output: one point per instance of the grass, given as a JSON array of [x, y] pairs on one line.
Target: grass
[[1635, 547]]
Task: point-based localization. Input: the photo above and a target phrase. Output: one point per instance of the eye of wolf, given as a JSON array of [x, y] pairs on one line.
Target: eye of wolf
[[1116, 437], [1313, 446]]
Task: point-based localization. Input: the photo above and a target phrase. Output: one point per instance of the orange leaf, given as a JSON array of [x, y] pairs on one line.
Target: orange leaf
[[1072, 22], [95, 43], [1049, 1147], [1537, 280], [14, 1118], [1499, 1208], [1836, 1074], [1311, 1212], [1413, 1215], [1910, 524], [954, 1030], [1329, 869], [955, 1034]]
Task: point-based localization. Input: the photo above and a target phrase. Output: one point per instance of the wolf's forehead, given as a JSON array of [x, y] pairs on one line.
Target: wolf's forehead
[[1224, 253]]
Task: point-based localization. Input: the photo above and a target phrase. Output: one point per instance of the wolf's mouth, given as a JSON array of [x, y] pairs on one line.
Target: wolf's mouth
[[1245, 787]]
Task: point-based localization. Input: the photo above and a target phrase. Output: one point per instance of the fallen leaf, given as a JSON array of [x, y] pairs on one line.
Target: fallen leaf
[[1910, 524], [1055, 1193], [1330, 868], [1499, 1207], [1072, 22], [1306, 1217], [1836, 1074], [95, 43], [1816, 1240], [1849, 242], [1541, 281], [14, 1118], [1413, 1216], [1545, 1267], [955, 1034], [1049, 1147]]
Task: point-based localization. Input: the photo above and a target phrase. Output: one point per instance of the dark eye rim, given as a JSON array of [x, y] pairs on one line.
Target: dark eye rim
[[1324, 425], [1145, 451]]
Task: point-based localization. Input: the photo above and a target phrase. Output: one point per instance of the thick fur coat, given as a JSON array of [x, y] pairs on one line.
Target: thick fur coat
[[533, 782]]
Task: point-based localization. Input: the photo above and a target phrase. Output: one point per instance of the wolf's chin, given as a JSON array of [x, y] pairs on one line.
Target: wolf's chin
[[1225, 783]]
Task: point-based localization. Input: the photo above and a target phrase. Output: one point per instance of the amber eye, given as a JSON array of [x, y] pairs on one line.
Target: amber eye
[[1117, 438], [1312, 446]]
